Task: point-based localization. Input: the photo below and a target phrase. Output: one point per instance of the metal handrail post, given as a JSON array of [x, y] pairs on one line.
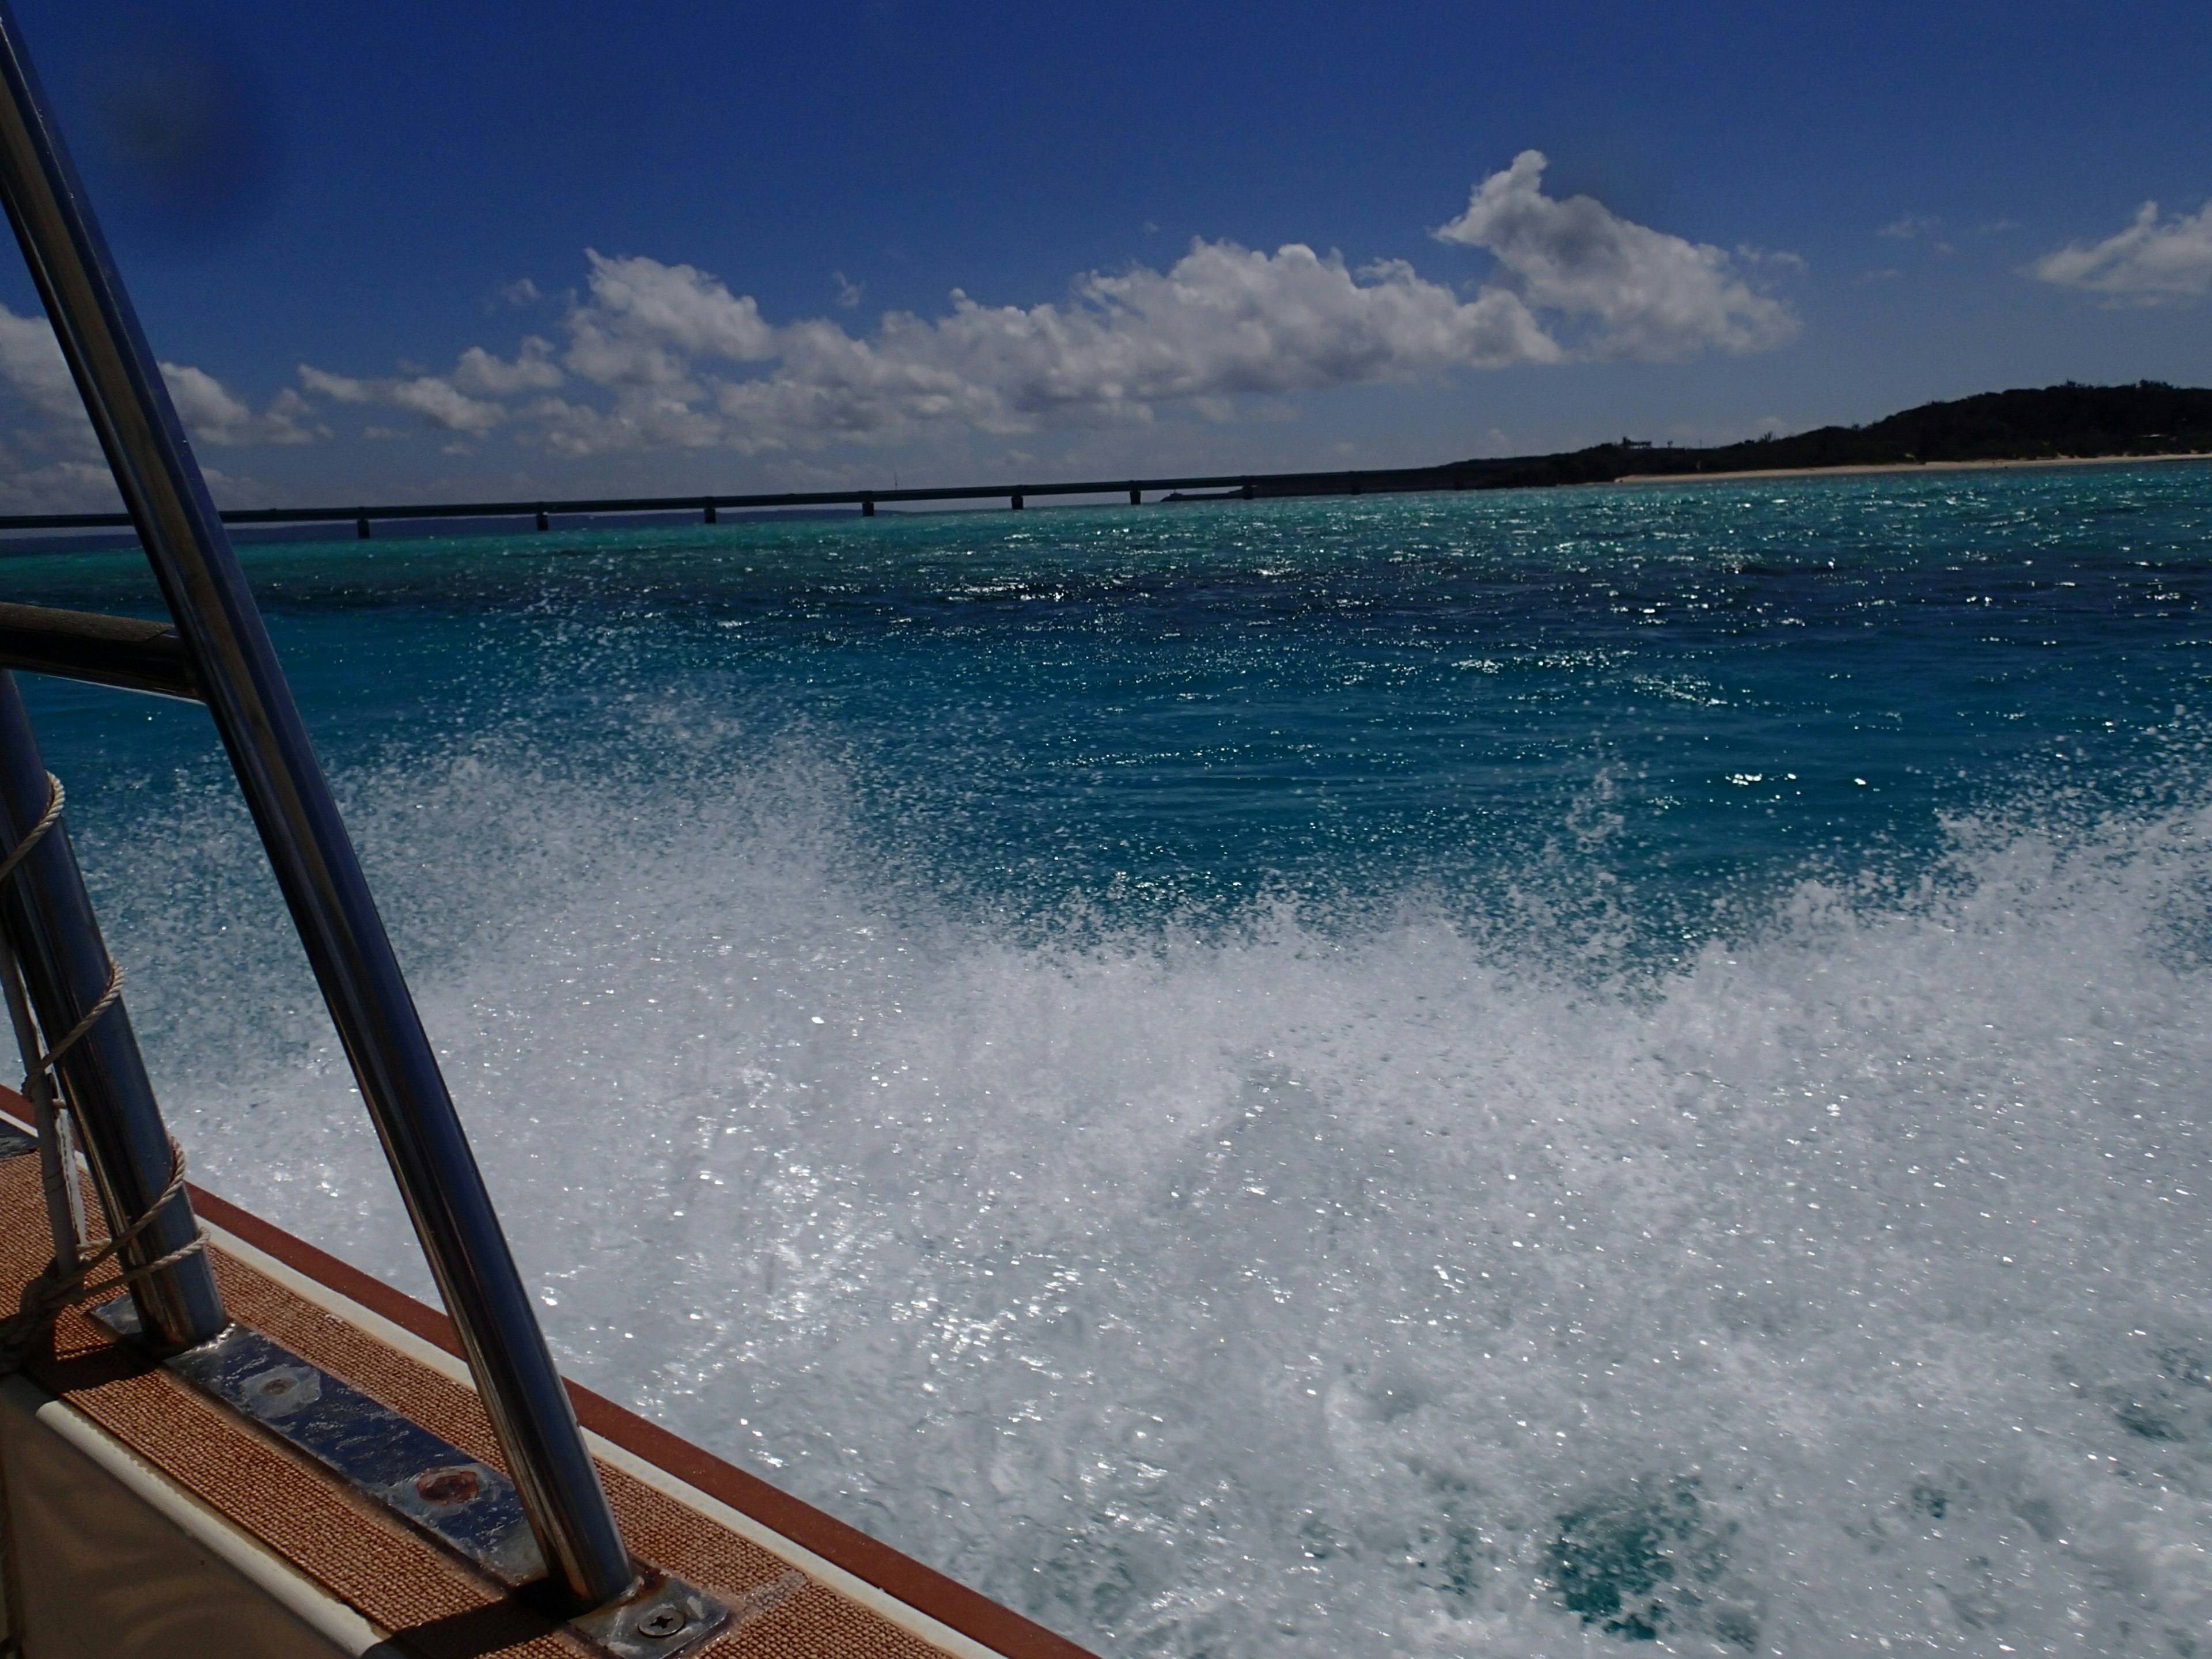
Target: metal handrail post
[[314, 861], [56, 939]]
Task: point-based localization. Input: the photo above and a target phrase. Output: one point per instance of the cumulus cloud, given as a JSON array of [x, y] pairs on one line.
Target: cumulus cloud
[[2151, 261], [31, 368], [214, 415], [661, 355], [436, 399], [1651, 296], [481, 374], [31, 365], [645, 317], [1223, 321]]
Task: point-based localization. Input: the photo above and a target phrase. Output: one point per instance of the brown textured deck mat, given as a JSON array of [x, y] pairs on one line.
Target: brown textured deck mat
[[391, 1574]]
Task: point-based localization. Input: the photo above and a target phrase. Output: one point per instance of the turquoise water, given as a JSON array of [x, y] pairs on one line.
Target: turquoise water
[[1540, 1072]]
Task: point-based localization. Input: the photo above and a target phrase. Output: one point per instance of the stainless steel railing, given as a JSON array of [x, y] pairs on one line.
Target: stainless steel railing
[[48, 917], [234, 669]]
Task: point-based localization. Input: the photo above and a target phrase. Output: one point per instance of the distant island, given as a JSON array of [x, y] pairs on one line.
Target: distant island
[[2053, 423]]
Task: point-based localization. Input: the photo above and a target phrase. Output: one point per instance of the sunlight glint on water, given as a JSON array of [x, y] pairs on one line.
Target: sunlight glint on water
[[1435, 1163]]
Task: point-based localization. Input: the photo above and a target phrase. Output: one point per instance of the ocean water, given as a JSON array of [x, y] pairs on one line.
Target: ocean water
[[1582, 1073]]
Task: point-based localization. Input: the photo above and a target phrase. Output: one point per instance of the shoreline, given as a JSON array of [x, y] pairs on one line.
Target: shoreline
[[1870, 469]]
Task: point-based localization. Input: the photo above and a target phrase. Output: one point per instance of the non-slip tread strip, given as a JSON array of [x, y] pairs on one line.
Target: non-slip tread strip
[[391, 1576], [945, 1600]]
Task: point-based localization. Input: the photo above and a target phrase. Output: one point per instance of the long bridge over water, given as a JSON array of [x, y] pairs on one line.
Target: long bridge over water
[[1247, 486]]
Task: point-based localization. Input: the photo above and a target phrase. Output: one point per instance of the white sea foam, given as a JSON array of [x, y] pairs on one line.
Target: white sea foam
[[1299, 1288]]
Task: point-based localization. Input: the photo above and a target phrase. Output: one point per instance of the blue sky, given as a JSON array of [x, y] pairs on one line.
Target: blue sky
[[427, 251]]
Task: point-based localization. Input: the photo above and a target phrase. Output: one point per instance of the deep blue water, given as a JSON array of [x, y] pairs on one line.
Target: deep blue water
[[1434, 1074], [1723, 686]]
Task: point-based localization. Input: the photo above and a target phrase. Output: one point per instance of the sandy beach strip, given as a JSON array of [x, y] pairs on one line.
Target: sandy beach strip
[[1755, 473]]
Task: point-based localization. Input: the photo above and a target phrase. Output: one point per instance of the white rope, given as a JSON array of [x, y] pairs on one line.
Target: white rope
[[54, 1290], [68, 1277], [59, 1183], [46, 1063], [55, 795]]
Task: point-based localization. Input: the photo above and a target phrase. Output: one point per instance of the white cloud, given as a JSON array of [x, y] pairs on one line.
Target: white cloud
[[203, 402], [216, 416], [1653, 296], [643, 418], [1772, 258], [31, 363], [1911, 226], [31, 368], [465, 401], [643, 313], [1224, 321], [2148, 262], [670, 358], [28, 485], [437, 400], [482, 374]]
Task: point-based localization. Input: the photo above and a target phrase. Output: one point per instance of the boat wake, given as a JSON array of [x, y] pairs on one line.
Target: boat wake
[[1299, 1285]]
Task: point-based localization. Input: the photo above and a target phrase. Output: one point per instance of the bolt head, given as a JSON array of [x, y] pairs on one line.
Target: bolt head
[[281, 1390], [662, 1621]]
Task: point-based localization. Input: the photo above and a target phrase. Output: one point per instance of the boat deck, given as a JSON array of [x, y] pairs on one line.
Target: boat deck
[[797, 1581]]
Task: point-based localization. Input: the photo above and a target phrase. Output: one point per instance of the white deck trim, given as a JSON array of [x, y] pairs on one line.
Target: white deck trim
[[333, 1620]]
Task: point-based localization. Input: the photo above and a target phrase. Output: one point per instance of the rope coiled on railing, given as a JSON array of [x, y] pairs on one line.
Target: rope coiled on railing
[[67, 1280]]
